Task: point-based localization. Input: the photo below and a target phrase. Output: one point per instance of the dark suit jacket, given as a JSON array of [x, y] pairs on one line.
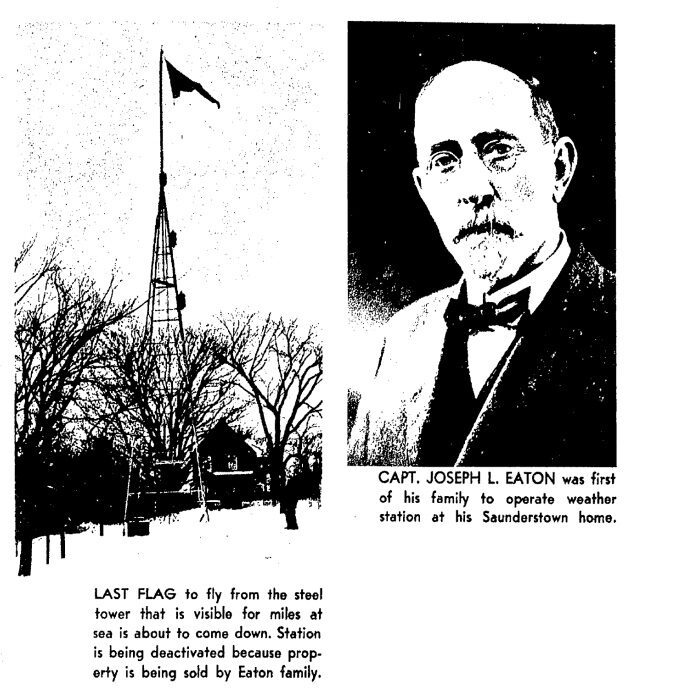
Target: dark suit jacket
[[551, 401]]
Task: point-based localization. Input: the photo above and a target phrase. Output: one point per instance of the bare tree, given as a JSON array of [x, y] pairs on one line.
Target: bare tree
[[307, 442], [280, 369], [58, 323], [48, 265], [129, 402]]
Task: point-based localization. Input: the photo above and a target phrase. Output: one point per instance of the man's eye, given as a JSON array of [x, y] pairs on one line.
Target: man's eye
[[498, 149], [443, 162]]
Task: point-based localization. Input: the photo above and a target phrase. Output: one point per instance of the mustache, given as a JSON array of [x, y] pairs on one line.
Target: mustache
[[488, 227]]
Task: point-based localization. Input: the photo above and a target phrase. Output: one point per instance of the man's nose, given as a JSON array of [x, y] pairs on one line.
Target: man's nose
[[473, 183]]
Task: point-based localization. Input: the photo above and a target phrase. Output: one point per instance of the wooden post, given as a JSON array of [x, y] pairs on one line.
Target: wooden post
[[25, 548]]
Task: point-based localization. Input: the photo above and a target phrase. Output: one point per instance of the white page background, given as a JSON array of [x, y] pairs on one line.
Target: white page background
[[599, 612]]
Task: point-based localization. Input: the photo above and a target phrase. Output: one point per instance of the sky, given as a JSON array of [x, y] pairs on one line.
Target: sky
[[247, 192]]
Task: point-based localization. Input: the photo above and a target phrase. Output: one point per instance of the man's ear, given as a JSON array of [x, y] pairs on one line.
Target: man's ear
[[565, 159], [417, 178]]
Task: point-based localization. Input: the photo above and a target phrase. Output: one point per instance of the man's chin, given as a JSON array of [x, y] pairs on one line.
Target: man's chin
[[481, 255]]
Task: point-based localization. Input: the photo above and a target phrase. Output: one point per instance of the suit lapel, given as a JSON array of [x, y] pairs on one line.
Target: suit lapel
[[426, 364], [488, 399]]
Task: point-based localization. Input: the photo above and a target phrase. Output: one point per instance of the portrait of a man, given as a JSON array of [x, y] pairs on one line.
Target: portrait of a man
[[514, 362]]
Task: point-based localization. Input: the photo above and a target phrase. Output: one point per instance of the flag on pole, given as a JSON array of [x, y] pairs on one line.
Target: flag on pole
[[181, 83]]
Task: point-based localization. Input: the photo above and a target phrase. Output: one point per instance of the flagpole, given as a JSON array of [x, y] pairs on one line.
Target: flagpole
[[160, 106]]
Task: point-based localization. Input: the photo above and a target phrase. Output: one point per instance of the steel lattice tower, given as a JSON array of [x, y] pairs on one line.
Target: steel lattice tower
[[171, 461], [166, 348]]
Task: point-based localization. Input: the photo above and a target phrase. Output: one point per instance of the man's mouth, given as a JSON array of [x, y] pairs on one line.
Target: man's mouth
[[485, 228]]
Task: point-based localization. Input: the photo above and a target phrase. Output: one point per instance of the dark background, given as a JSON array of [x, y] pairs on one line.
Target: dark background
[[395, 255]]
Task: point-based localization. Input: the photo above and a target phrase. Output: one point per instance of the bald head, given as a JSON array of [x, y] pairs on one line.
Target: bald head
[[486, 82]]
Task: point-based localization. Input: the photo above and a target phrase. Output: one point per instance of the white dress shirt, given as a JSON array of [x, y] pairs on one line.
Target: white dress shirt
[[487, 347]]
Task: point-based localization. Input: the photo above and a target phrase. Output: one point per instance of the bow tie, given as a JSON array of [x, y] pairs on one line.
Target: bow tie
[[460, 314]]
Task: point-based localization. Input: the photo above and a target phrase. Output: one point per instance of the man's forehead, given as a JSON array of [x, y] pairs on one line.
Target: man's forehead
[[471, 97]]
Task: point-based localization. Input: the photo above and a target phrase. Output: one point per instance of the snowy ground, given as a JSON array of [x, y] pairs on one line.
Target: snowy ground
[[254, 535]]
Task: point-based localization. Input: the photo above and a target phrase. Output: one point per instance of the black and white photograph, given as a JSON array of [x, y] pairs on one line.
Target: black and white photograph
[[161, 377], [481, 224]]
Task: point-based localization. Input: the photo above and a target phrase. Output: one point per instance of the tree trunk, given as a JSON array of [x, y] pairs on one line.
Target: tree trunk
[[62, 543], [25, 546], [277, 471], [47, 549]]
